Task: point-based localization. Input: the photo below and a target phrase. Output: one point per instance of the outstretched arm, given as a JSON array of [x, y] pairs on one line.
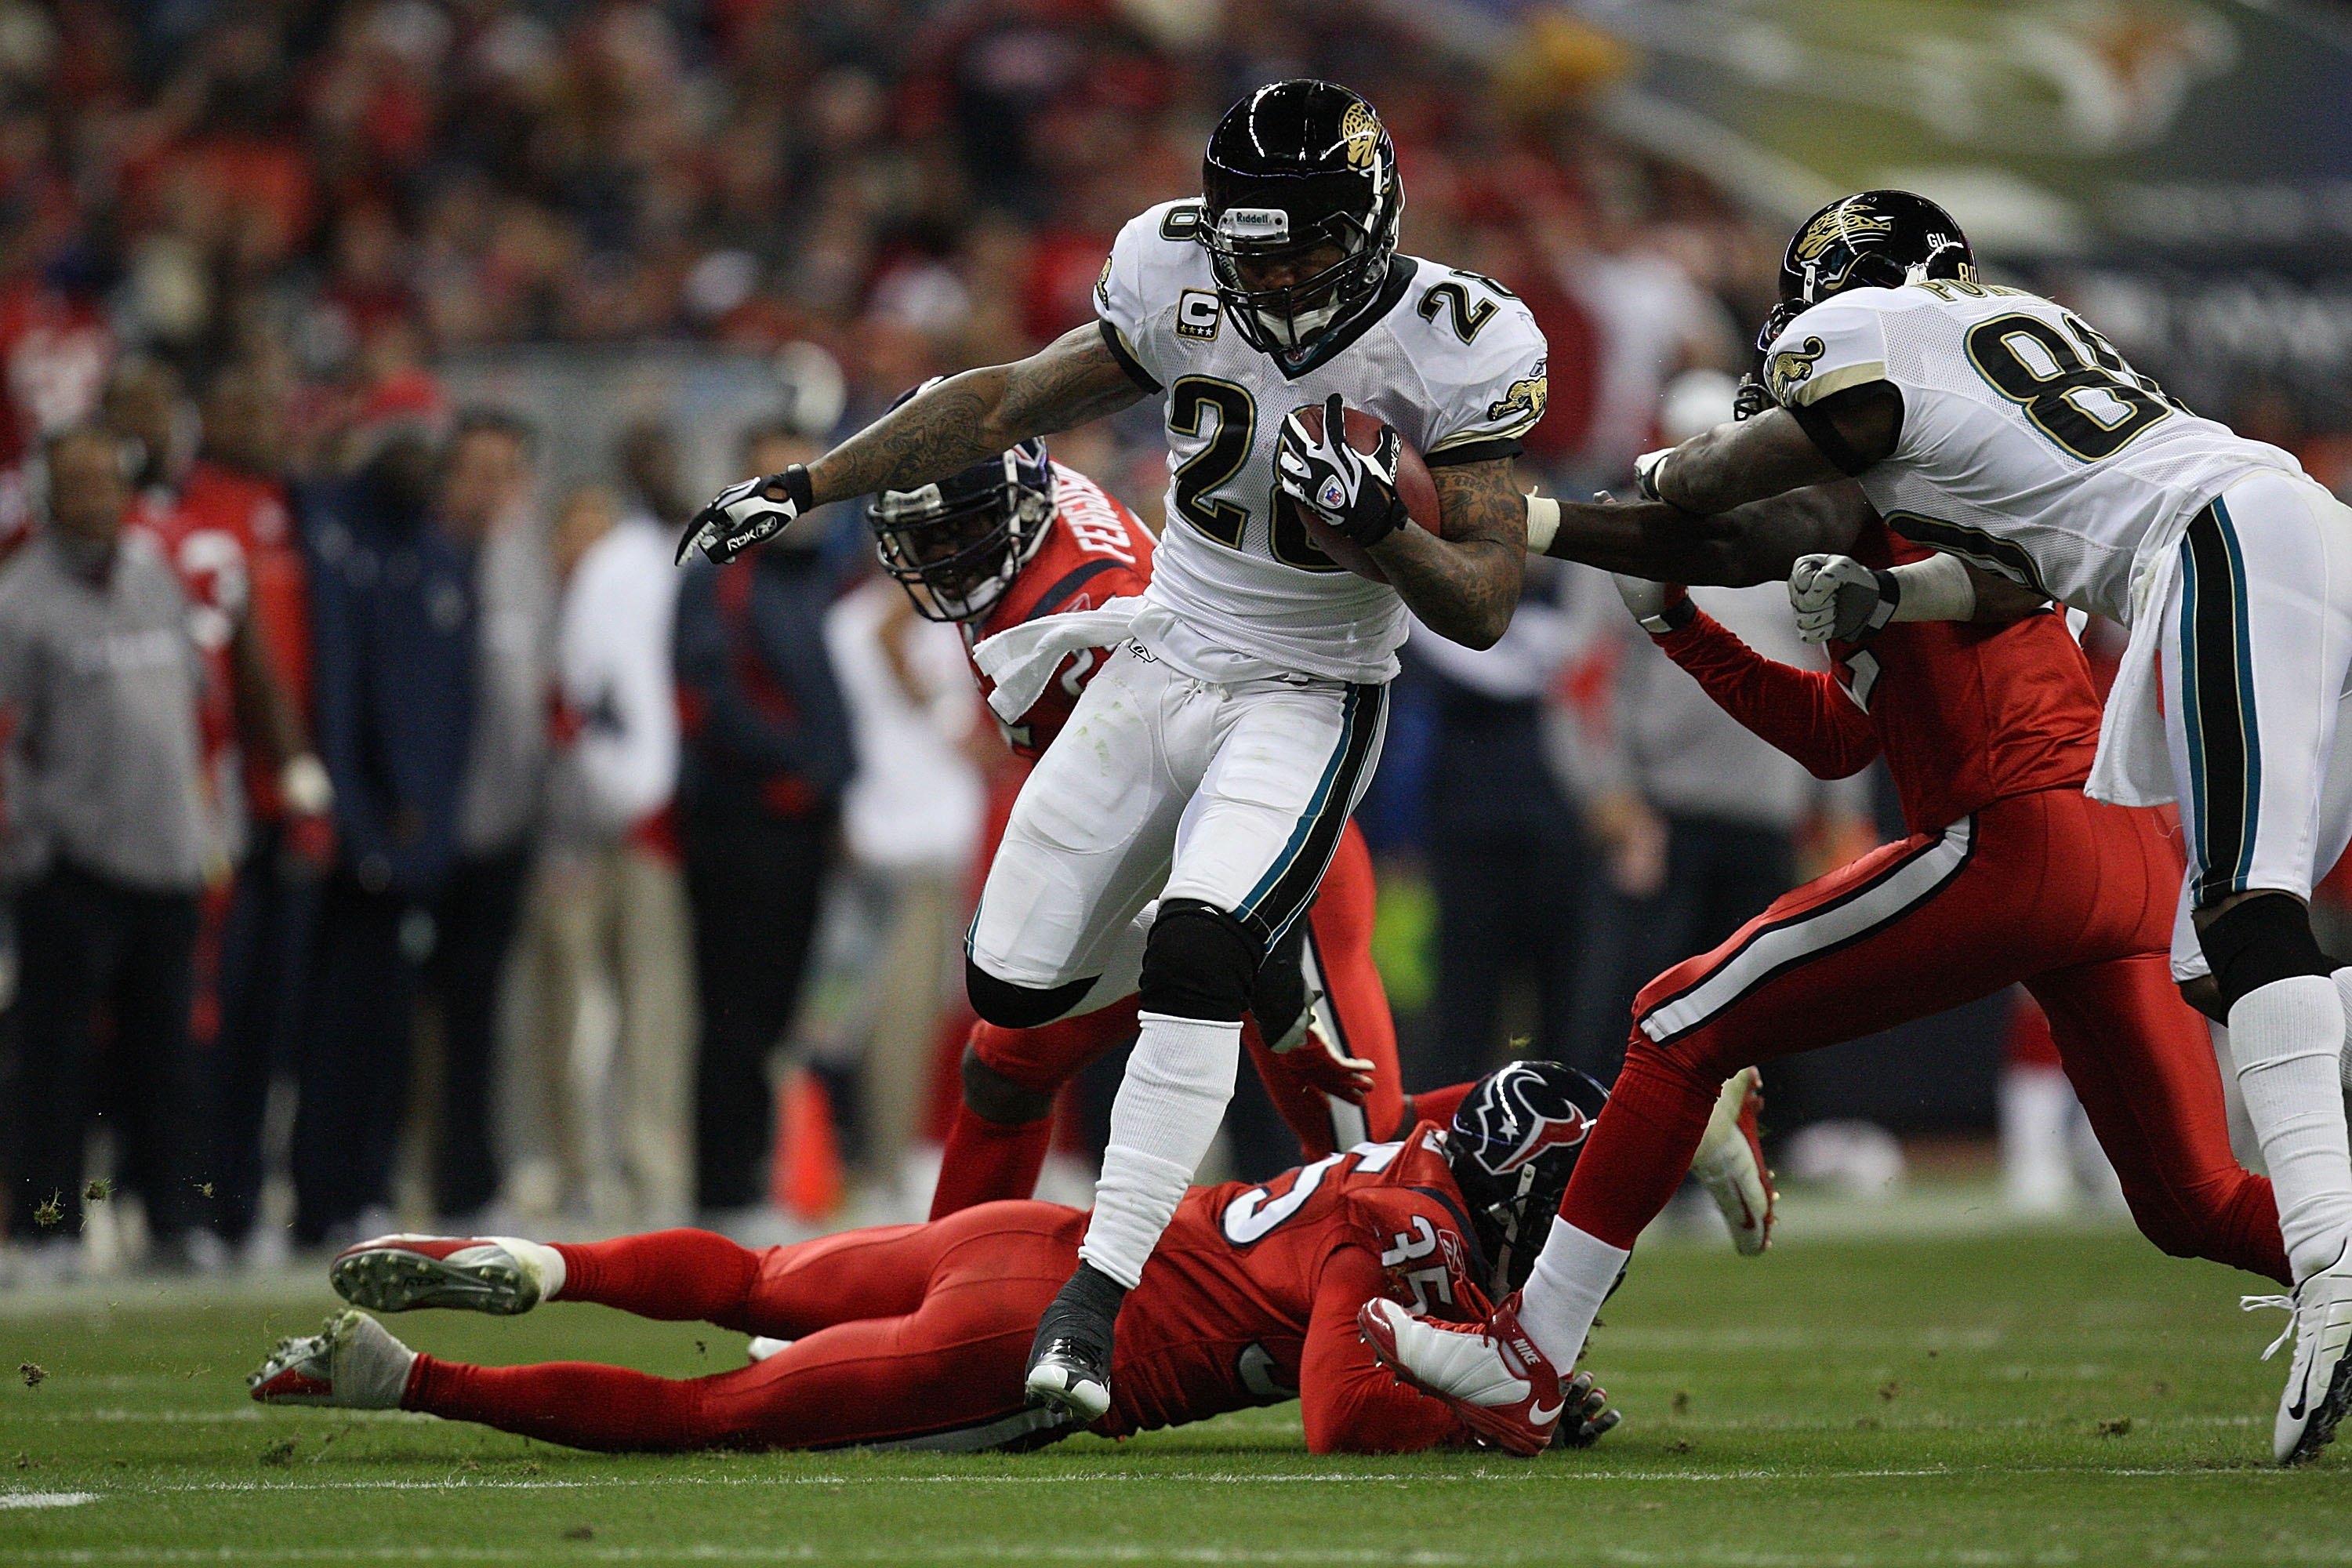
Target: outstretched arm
[[1804, 712], [1465, 586], [1779, 451], [1074, 379], [1753, 544]]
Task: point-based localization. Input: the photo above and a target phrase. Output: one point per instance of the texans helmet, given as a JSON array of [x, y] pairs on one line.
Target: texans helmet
[[1293, 168], [1872, 239], [956, 546], [1512, 1146]]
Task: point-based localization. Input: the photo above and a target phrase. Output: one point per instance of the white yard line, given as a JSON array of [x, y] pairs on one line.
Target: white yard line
[[1524, 1475]]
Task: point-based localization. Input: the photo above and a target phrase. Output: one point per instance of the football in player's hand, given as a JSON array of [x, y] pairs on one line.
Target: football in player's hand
[[1414, 484]]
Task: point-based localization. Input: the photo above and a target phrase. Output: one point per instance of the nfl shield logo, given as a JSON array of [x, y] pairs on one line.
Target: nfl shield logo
[[1333, 496]]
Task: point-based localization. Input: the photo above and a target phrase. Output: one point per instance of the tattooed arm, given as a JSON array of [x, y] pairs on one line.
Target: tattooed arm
[[1465, 586], [979, 414]]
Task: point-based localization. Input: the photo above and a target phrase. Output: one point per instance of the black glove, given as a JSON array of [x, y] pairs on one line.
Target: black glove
[[741, 515], [1587, 1418], [1353, 492]]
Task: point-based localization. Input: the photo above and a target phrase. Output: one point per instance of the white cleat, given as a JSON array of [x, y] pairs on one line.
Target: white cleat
[[2319, 1374], [1490, 1375], [1730, 1163], [475, 1273], [761, 1347], [352, 1363]]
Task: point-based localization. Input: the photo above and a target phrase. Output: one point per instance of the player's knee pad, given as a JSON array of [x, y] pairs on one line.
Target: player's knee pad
[[1012, 1006], [995, 1095], [1199, 964], [2259, 940]]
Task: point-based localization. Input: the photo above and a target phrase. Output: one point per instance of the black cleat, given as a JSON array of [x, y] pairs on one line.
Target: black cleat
[[1069, 1360]]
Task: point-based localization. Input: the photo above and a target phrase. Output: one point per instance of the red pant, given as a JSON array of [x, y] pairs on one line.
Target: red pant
[[985, 1161], [2071, 897], [911, 1335]]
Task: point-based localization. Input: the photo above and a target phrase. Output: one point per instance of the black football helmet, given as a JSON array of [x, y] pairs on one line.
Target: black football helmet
[[1872, 239], [1296, 165], [956, 545], [1513, 1145]]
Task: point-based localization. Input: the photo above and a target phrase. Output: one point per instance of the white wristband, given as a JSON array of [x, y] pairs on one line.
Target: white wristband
[[303, 786], [1543, 523], [1936, 589]]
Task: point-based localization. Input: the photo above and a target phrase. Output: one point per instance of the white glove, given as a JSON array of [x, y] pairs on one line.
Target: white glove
[[1646, 469], [1661, 607], [1837, 597]]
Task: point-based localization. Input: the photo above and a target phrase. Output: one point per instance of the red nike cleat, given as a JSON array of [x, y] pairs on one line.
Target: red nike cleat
[[1490, 1373]]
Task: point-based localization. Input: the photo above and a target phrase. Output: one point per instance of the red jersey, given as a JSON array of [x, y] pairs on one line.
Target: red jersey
[[1095, 551], [222, 504], [1966, 715], [1252, 1298], [210, 562]]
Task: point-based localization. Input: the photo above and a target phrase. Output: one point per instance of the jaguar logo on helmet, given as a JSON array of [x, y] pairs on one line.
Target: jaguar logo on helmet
[[1844, 221], [1359, 133]]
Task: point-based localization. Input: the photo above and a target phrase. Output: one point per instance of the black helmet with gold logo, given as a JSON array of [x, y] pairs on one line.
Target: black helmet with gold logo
[[1300, 210], [1873, 239]]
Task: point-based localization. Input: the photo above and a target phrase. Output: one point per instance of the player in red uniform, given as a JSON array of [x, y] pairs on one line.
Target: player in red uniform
[[918, 1336], [1012, 539], [226, 531], [2011, 874]]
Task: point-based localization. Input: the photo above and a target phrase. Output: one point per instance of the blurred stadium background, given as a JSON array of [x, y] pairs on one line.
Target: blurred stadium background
[[647, 229]]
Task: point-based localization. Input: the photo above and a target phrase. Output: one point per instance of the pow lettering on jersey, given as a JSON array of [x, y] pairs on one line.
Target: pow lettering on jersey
[[1097, 551]]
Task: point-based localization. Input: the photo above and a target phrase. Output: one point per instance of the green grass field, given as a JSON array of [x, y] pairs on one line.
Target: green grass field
[[2063, 1397]]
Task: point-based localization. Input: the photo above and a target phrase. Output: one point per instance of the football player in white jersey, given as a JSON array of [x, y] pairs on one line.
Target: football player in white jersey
[[1185, 814], [2004, 430]]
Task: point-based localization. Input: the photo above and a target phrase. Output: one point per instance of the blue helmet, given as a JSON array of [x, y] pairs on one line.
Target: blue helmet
[[957, 545], [1512, 1146]]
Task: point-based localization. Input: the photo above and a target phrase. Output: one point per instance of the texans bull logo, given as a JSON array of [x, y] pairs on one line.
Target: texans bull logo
[[1517, 1133]]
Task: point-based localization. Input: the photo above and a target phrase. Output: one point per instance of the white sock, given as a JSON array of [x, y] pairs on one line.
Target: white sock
[[1167, 1112], [543, 1262], [2288, 1040], [1563, 1294], [2343, 978]]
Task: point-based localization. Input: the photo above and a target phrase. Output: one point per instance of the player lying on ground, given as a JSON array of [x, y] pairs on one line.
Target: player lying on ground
[[1018, 539], [916, 1336], [1990, 423], [1212, 762]]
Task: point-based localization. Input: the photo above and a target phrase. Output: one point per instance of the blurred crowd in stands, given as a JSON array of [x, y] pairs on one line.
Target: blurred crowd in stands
[[390, 825]]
